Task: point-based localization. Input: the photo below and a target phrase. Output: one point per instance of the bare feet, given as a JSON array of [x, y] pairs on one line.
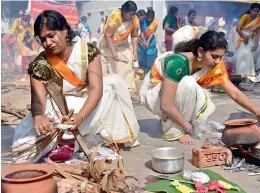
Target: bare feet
[[186, 139]]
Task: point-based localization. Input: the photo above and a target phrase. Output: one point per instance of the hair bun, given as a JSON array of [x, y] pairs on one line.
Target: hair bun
[[221, 34]]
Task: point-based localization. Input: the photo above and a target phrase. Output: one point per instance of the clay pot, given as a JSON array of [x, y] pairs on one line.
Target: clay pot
[[241, 131], [28, 178]]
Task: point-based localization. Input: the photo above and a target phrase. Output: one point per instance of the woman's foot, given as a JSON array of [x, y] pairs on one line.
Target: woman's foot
[[186, 139]]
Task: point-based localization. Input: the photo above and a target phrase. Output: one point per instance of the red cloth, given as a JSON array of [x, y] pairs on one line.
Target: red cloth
[[62, 153], [168, 45], [25, 62]]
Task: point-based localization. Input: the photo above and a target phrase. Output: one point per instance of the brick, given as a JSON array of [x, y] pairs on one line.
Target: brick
[[208, 156]]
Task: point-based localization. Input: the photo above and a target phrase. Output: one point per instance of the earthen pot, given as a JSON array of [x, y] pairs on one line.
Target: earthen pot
[[241, 131], [28, 178]]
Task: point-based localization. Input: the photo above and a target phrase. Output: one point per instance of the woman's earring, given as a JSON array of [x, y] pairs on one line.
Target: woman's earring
[[67, 38], [199, 58]]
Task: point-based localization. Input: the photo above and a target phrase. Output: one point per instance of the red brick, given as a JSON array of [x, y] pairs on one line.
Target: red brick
[[209, 156]]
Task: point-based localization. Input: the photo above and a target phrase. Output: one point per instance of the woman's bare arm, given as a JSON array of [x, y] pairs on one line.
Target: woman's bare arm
[[42, 123], [95, 87], [238, 29], [168, 29], [134, 39], [239, 97], [109, 33], [38, 97]]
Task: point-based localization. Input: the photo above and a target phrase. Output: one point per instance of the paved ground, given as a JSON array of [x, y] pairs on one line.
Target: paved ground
[[137, 160]]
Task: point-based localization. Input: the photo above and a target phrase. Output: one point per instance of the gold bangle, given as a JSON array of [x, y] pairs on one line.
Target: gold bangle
[[82, 116]]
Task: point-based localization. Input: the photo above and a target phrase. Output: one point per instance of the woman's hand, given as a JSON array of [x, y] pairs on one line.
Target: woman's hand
[[43, 124], [74, 119]]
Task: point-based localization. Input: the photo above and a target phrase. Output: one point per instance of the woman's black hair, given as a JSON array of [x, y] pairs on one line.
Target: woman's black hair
[[129, 6], [83, 18], [140, 13], [191, 12], [53, 21], [252, 6], [171, 12], [211, 40], [150, 13]]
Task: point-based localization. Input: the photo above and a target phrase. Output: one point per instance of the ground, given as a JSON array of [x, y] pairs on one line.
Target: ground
[[137, 161]]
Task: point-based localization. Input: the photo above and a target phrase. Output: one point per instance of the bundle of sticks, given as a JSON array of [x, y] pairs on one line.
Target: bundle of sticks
[[32, 150]]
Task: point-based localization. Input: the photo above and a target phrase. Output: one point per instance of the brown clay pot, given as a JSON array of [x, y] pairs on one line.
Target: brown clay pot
[[241, 131], [28, 178]]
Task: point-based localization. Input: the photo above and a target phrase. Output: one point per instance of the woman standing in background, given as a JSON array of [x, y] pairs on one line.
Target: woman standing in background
[[249, 32], [147, 51], [170, 25], [190, 17], [23, 30]]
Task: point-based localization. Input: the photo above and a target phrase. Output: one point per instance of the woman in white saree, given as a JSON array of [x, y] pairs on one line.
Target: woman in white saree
[[73, 64], [173, 88], [116, 55], [249, 32]]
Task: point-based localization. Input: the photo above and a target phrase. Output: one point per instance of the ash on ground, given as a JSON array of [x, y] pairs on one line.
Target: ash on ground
[[240, 164]]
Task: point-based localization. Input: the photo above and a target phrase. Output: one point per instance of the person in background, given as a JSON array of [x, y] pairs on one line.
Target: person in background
[[27, 46], [232, 35], [212, 24], [187, 33], [101, 26], [173, 88], [116, 54], [84, 29], [8, 50], [170, 25], [147, 50], [248, 29], [190, 17]]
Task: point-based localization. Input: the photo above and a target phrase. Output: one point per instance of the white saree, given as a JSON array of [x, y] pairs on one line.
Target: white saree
[[245, 64], [114, 112], [192, 101]]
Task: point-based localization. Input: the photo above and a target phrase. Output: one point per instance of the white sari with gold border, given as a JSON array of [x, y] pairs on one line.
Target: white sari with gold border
[[114, 112]]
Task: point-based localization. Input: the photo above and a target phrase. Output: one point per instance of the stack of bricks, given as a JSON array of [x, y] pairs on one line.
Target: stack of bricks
[[209, 155]]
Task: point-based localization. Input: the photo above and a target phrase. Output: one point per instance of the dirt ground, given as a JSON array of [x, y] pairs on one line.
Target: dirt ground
[[137, 160]]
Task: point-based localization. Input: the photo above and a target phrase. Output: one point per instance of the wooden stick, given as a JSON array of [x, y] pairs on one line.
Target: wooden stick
[[82, 144]]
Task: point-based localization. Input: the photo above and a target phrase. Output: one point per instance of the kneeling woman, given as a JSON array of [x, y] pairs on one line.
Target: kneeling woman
[[72, 63], [172, 89]]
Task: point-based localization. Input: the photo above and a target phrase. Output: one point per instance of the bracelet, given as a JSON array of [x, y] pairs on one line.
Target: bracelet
[[82, 116]]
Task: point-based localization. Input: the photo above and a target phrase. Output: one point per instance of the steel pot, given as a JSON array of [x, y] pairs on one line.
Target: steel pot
[[168, 160]]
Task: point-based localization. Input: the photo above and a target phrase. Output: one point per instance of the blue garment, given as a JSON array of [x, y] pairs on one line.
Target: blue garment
[[146, 56], [87, 27]]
